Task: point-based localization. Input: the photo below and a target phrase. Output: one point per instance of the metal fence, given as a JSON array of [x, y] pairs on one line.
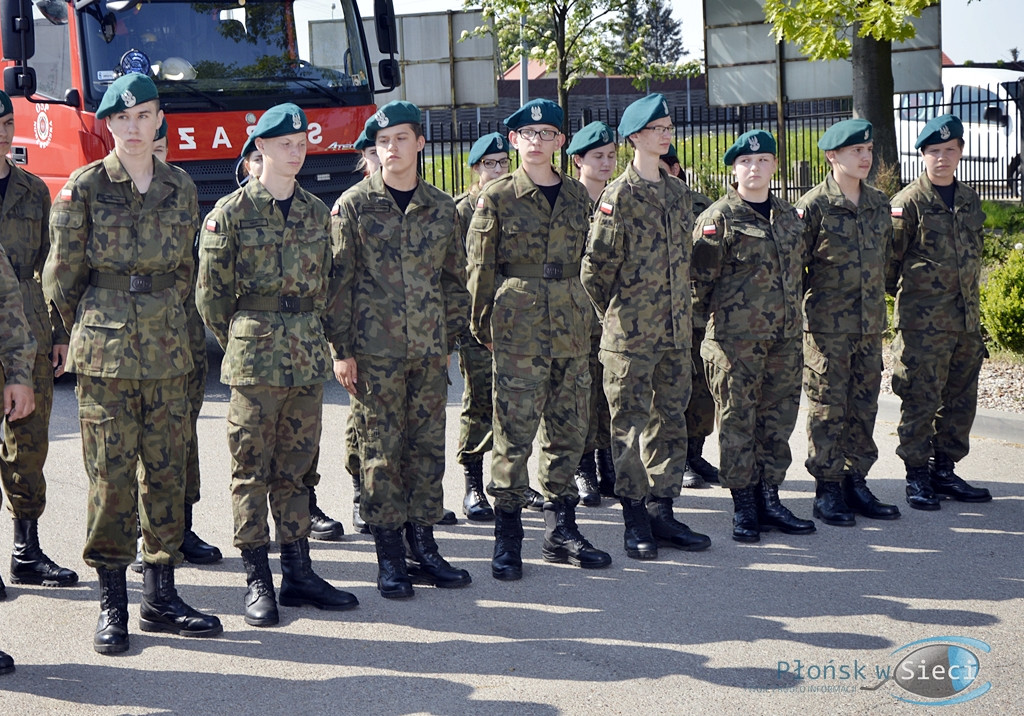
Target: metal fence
[[991, 161]]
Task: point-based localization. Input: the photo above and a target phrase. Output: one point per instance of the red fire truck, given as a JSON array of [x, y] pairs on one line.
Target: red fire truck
[[218, 66]]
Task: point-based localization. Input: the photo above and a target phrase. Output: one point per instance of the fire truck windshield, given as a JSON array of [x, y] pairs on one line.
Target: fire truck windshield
[[220, 54]]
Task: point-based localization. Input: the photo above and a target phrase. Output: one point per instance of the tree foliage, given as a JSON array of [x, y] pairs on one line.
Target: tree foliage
[[649, 44]]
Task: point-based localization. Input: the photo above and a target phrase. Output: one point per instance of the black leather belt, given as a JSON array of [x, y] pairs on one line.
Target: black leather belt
[[132, 284], [281, 304], [551, 272]]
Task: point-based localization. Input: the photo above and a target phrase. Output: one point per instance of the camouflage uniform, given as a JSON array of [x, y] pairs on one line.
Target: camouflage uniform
[[129, 348], [262, 292], [747, 274], [398, 300], [17, 346], [195, 389], [25, 236], [700, 412], [540, 329], [934, 274], [847, 246], [637, 273]]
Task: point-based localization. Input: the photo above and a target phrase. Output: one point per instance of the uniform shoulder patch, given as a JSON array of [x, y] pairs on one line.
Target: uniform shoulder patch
[[800, 213], [479, 202], [211, 225], [897, 212], [66, 194], [606, 208], [335, 210], [709, 230]]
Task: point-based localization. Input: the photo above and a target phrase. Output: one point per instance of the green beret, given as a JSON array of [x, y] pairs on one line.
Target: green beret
[[362, 141], [6, 106], [162, 132], [126, 92], [493, 143], [642, 112], [670, 157], [845, 133], [939, 130], [391, 114], [278, 121], [537, 111], [594, 135], [756, 141]]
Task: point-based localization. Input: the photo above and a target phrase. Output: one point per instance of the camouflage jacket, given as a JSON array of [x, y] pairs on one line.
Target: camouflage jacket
[[247, 248], [637, 265], [847, 248], [399, 285], [514, 225], [465, 205], [935, 269], [101, 223], [17, 346], [748, 271]]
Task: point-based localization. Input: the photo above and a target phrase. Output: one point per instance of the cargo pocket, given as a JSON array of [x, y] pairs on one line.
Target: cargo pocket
[[815, 372], [98, 424], [515, 408]]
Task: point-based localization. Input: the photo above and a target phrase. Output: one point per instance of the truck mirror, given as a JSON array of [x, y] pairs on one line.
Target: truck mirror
[[20, 81], [995, 115], [390, 74], [16, 30], [72, 98], [53, 10], [387, 30]]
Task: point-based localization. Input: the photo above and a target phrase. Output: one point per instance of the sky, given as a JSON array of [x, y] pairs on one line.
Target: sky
[[982, 31]]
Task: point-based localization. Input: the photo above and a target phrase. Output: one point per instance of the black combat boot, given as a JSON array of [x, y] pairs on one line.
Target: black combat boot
[[920, 495], [112, 628], [357, 520], [475, 506], [605, 472], [300, 585], [321, 526], [586, 481], [161, 609], [698, 470], [861, 500], [637, 539], [745, 527], [507, 564], [194, 549], [534, 500], [448, 518], [772, 513], [260, 602], [668, 530], [426, 565], [946, 482], [830, 506], [563, 541], [29, 565], [6, 663], [392, 577]]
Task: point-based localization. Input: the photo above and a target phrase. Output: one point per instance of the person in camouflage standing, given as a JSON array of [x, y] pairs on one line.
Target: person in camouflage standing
[[934, 273], [119, 271], [264, 261], [848, 240], [593, 152], [637, 272], [17, 355], [398, 300], [24, 235], [747, 268], [529, 308]]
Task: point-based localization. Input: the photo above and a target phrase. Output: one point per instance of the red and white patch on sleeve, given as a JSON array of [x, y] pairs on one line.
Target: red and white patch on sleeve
[[65, 195], [607, 208], [897, 212], [211, 225], [335, 210], [800, 213], [479, 202], [710, 230]]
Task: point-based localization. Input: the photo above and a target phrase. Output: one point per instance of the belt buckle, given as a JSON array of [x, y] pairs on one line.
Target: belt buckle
[[289, 304], [140, 284], [553, 271]]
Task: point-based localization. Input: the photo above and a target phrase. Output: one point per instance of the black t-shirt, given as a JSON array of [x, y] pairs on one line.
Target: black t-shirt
[[3, 185], [764, 208], [402, 198], [551, 192], [947, 193], [285, 205]]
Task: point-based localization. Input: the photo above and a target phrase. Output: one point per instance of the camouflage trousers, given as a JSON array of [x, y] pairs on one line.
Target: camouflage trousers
[[756, 387], [842, 377], [538, 397], [648, 395], [135, 435], [700, 413], [399, 416], [599, 434], [195, 389], [475, 433], [25, 445], [936, 378], [273, 434], [352, 444]]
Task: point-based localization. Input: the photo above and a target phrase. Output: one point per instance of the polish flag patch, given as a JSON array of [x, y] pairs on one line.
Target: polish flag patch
[[334, 210], [65, 195], [897, 212], [211, 225], [607, 208], [710, 230], [800, 213], [479, 202]]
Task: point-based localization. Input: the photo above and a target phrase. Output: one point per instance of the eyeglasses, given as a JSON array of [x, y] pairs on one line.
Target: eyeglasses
[[668, 129], [546, 135], [491, 163]]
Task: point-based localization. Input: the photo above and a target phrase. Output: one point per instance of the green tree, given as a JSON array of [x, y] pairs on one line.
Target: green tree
[[863, 31], [649, 44]]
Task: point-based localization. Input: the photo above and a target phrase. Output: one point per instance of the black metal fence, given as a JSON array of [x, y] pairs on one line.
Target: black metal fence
[[991, 161]]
